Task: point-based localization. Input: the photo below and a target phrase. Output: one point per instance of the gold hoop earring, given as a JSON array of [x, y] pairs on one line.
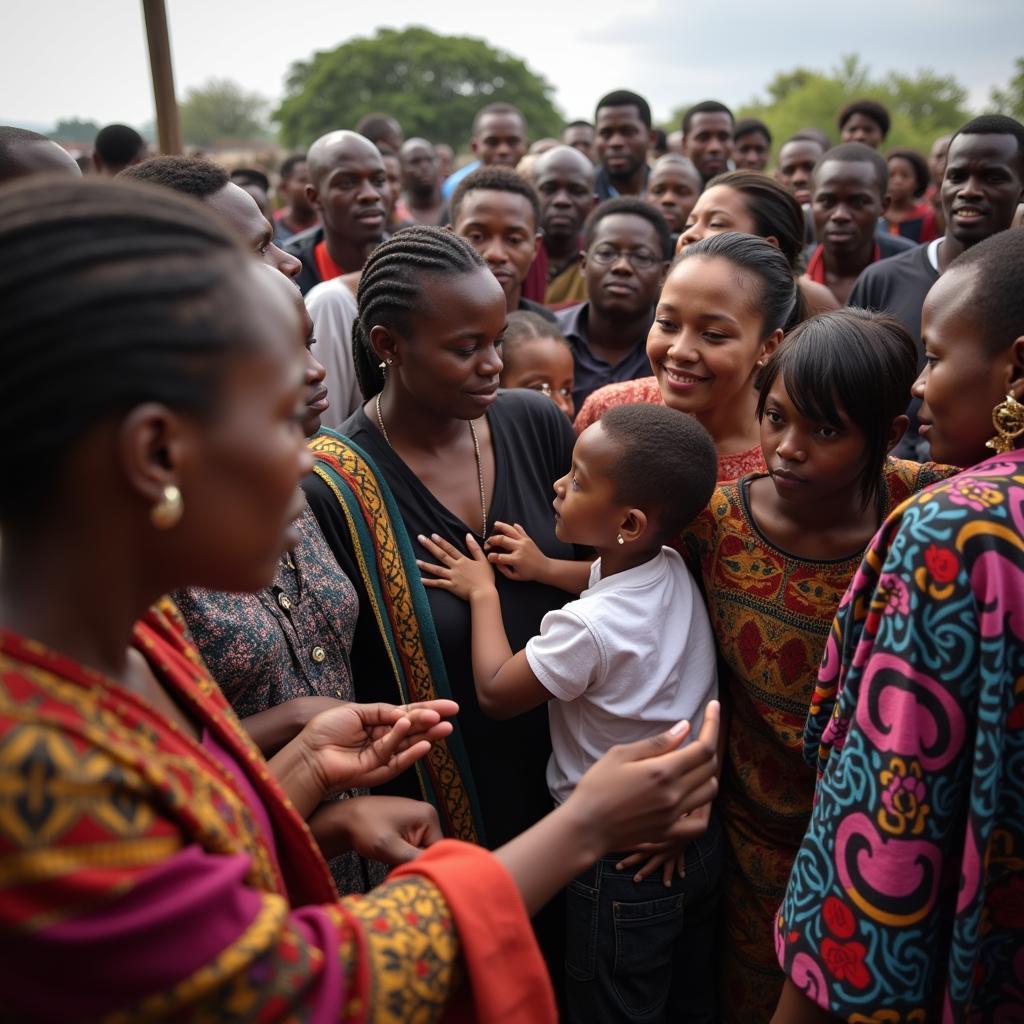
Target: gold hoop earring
[[1008, 419], [167, 512]]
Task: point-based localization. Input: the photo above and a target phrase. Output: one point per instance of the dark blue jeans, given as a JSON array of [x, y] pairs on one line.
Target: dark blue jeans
[[641, 953]]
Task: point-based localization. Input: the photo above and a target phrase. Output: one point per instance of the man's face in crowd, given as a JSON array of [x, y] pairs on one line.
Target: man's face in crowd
[[499, 139], [708, 143], [621, 141]]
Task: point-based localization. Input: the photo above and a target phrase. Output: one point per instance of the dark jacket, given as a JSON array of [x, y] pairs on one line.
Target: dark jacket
[[303, 245]]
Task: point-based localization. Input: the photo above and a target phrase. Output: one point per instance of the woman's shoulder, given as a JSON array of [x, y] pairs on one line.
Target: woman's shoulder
[[523, 406], [905, 478], [740, 464], [627, 392]]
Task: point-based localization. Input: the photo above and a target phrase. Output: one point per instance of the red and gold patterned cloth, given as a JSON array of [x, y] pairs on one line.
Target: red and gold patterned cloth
[[144, 875]]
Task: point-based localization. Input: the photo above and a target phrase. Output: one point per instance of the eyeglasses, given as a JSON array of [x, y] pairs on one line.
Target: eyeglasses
[[639, 259]]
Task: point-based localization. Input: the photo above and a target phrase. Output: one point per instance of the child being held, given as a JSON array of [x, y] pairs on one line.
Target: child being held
[[536, 355], [633, 655]]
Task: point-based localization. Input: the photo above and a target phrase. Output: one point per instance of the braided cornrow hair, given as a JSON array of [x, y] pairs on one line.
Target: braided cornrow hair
[[114, 294], [391, 287]]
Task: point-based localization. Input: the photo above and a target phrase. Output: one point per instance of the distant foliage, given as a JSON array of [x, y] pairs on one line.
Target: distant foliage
[[222, 111], [433, 84], [1010, 101], [923, 105]]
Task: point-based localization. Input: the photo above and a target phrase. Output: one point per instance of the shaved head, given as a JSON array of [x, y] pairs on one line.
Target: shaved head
[[564, 157], [330, 149]]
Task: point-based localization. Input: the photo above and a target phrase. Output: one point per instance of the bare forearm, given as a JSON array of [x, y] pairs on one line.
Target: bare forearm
[[295, 773], [490, 644], [547, 857]]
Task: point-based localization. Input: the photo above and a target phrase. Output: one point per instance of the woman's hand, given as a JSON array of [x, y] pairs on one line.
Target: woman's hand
[[514, 554], [362, 745], [390, 829], [635, 794], [639, 792], [467, 578]]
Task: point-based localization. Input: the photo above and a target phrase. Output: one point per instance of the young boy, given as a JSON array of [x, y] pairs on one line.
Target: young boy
[[631, 656]]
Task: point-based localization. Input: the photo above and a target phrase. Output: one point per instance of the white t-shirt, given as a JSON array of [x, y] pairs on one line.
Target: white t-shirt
[[629, 659], [332, 308]]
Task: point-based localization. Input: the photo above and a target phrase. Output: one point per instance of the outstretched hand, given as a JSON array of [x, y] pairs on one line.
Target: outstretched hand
[[640, 791], [465, 577], [362, 745]]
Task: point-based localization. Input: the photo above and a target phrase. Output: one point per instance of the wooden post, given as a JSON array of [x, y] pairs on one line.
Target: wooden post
[[168, 126]]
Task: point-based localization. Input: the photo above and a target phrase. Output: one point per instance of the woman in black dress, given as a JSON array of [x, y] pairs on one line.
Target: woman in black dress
[[459, 455]]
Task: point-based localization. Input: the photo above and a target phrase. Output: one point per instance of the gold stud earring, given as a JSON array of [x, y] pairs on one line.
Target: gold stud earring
[[167, 512], [620, 539], [1008, 419]]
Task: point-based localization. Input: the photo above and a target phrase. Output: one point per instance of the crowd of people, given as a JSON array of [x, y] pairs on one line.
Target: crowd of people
[[371, 579]]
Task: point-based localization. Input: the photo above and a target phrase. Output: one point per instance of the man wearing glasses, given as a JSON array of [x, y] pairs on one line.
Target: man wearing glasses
[[627, 248]]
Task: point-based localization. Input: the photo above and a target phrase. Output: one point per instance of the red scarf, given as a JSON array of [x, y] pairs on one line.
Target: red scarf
[[325, 265]]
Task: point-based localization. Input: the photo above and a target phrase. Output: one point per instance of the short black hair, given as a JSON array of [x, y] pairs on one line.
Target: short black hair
[[625, 98], [289, 163], [9, 138], [497, 108], [857, 153], [191, 175], [378, 127], [922, 176], [995, 299], [996, 124], [705, 107], [636, 207], [495, 179], [579, 124], [810, 135], [871, 109], [114, 294], [118, 145], [751, 126], [861, 362], [251, 176], [667, 465]]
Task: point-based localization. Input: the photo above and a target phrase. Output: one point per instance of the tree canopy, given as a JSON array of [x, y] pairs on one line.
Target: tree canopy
[[923, 105], [221, 110], [1010, 101], [433, 84]]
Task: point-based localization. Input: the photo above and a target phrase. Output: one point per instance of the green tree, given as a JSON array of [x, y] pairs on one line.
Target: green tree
[[1010, 101], [72, 129], [433, 85], [222, 110], [923, 105]]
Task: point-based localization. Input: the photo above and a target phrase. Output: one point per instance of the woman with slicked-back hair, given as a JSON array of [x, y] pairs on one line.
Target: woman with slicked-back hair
[[155, 866]]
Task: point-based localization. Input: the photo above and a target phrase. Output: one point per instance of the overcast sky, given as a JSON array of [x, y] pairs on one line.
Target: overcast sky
[[65, 58]]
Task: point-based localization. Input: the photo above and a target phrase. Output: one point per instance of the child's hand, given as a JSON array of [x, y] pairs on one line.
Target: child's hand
[[514, 554], [464, 577], [670, 855]]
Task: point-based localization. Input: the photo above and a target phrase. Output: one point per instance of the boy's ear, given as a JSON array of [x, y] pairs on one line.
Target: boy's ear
[[634, 525]]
